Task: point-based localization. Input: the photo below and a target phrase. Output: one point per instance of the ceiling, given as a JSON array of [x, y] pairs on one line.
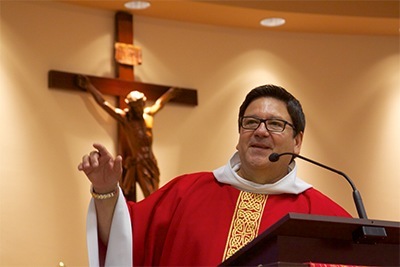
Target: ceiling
[[376, 17]]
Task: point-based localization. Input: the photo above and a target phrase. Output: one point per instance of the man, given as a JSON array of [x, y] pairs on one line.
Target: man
[[201, 219]]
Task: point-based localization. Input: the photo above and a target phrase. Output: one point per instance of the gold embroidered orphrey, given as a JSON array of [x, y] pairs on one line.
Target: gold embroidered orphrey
[[245, 222]]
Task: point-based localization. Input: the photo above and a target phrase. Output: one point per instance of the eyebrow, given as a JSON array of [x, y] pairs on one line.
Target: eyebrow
[[273, 117]]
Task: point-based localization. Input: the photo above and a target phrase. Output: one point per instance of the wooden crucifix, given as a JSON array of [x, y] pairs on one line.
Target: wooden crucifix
[[135, 151]]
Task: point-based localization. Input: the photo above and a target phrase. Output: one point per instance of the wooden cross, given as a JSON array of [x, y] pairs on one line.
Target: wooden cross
[[123, 84]]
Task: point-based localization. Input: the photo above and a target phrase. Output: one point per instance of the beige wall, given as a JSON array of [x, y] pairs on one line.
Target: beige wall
[[349, 87]]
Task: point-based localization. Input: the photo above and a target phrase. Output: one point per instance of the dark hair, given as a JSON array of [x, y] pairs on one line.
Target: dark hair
[[293, 105]]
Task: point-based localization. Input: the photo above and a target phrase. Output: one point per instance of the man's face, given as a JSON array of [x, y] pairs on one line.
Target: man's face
[[255, 146]]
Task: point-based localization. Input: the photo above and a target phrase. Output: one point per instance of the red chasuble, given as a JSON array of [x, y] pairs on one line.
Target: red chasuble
[[196, 221]]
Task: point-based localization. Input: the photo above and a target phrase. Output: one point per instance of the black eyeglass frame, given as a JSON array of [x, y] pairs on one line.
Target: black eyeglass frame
[[265, 123]]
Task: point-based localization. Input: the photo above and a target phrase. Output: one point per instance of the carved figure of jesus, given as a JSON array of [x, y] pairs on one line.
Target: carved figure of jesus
[[137, 123]]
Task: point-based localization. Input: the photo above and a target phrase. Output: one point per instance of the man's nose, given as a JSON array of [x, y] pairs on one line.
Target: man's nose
[[262, 129]]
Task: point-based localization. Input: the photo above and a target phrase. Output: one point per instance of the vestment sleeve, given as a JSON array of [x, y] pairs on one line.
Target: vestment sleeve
[[119, 250]]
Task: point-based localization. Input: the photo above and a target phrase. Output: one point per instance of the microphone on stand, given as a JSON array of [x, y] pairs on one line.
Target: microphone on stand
[[356, 194]]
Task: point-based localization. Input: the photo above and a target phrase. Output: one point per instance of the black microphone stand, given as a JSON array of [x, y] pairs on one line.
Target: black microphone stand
[[356, 194], [365, 234]]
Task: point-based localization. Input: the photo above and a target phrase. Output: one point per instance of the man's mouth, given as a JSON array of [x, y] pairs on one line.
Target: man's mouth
[[260, 146]]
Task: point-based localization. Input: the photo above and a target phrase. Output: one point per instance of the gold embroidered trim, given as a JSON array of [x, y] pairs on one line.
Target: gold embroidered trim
[[245, 222]]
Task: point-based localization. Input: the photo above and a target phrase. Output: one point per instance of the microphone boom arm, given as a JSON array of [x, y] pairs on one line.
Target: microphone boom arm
[[356, 194]]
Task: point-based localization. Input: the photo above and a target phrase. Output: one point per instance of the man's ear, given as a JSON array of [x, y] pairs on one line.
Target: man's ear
[[297, 141]]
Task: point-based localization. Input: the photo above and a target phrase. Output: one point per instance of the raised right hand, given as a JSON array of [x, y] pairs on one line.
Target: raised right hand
[[103, 171]]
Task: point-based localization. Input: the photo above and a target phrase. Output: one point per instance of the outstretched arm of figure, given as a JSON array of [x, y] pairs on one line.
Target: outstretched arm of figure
[[84, 83], [162, 100], [104, 172]]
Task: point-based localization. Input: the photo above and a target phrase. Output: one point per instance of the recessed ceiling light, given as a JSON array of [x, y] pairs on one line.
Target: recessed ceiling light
[[137, 5], [272, 22]]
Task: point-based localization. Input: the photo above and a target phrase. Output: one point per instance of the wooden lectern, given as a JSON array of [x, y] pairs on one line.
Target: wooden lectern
[[298, 239]]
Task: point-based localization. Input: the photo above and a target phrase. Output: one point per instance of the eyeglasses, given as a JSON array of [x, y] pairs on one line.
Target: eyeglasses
[[272, 125]]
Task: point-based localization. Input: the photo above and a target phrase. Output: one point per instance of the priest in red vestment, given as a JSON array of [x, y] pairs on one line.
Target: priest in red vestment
[[201, 219]]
